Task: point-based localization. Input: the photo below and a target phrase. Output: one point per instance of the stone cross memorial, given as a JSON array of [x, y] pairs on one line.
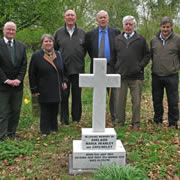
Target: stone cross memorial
[[99, 81], [99, 146]]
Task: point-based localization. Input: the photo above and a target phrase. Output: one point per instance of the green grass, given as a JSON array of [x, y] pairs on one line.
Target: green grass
[[153, 150], [11, 149], [116, 172]]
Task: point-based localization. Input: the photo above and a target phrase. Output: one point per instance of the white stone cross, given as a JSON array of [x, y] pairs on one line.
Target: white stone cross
[[99, 81]]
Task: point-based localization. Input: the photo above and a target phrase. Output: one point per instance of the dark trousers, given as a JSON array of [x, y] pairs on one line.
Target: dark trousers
[[10, 107], [112, 94], [48, 117], [170, 84], [76, 108]]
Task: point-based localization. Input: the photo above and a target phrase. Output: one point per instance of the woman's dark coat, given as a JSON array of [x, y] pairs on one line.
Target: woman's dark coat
[[45, 79]]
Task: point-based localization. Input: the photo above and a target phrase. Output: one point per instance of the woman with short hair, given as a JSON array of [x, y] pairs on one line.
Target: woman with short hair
[[46, 78]]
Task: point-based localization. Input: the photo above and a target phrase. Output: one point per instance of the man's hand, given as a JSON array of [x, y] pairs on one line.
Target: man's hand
[[10, 82], [64, 85], [36, 94], [16, 82]]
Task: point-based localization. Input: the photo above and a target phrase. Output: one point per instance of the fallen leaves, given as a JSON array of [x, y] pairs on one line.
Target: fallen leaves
[[154, 148]]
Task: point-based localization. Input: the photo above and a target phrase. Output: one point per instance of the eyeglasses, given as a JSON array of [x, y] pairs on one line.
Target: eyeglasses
[[13, 30]]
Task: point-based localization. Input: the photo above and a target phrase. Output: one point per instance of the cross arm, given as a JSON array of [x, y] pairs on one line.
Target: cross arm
[[113, 80], [86, 80]]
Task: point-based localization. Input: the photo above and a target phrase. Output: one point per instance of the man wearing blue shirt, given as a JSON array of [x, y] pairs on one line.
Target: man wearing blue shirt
[[100, 43]]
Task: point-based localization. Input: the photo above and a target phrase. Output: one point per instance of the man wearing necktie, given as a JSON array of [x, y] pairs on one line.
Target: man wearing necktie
[[13, 63], [100, 44], [131, 56]]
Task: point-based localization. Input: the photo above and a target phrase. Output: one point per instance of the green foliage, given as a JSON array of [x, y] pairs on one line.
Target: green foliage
[[31, 37], [9, 150], [162, 8], [116, 172], [35, 17], [116, 10], [151, 14], [23, 13]]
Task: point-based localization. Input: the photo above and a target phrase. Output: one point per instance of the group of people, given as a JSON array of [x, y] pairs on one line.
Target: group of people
[[54, 71]]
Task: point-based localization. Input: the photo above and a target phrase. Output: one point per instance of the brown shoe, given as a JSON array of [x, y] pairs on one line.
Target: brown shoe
[[135, 127]]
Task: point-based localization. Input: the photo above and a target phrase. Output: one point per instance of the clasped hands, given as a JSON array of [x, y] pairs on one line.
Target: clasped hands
[[64, 86], [15, 82]]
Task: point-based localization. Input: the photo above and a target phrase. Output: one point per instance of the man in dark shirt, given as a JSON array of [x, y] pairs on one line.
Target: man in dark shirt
[[131, 56], [70, 40]]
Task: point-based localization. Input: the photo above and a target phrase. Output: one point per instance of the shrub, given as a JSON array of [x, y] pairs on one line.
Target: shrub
[[117, 172]]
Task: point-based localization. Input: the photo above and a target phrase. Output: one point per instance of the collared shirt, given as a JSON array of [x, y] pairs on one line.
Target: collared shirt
[[164, 39], [70, 31], [107, 44], [6, 41], [128, 36]]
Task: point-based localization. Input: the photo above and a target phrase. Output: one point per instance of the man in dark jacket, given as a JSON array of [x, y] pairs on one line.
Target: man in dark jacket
[[70, 40], [131, 56], [13, 63], [165, 50], [93, 41]]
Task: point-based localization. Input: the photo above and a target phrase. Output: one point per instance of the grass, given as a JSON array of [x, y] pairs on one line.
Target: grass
[[10, 150], [154, 149], [116, 172]]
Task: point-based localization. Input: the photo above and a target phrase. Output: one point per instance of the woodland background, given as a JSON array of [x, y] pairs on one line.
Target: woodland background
[[154, 149]]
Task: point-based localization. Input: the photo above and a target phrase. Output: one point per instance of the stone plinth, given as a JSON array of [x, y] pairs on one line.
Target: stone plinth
[[92, 159]]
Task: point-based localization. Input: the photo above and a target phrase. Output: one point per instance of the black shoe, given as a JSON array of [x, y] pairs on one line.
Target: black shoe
[[113, 120], [158, 122], [44, 134], [2, 139], [135, 127], [76, 120], [173, 126], [65, 123], [14, 137], [117, 123]]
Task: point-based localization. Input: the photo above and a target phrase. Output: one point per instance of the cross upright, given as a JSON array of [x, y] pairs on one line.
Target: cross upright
[[99, 81]]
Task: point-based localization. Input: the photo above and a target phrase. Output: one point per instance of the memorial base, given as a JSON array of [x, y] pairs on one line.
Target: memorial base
[[93, 159], [75, 172]]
